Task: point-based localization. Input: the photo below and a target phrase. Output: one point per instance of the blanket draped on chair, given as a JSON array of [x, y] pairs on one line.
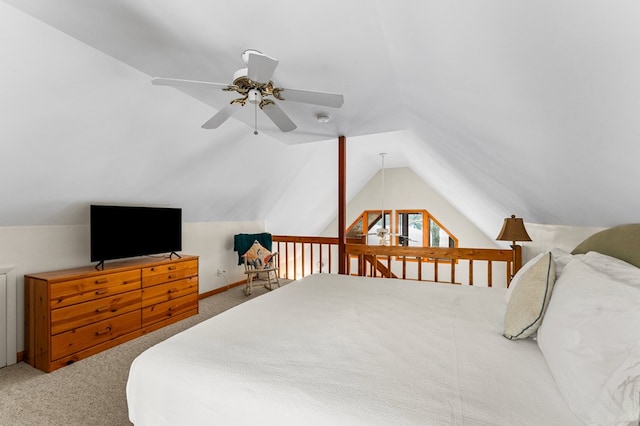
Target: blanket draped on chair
[[243, 242]]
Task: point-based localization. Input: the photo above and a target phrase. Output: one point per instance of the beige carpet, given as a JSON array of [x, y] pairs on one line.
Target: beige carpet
[[91, 391]]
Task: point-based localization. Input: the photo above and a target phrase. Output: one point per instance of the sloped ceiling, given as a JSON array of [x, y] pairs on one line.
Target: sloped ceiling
[[503, 107]]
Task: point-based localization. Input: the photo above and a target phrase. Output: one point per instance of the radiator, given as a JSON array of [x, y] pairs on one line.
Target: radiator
[[8, 317]]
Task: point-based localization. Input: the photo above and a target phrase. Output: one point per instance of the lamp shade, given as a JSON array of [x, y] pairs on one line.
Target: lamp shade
[[513, 230]]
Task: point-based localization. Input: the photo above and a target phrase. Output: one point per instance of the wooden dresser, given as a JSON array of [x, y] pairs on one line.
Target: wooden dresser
[[75, 313]]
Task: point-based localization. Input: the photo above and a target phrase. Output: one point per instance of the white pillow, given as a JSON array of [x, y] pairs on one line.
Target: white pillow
[[516, 278], [617, 269], [561, 259], [590, 338], [529, 299]]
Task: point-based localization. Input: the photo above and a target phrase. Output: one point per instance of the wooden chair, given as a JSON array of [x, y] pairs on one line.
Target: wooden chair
[[257, 261]]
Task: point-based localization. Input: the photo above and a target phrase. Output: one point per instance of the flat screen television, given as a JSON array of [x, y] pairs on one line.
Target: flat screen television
[[118, 232]]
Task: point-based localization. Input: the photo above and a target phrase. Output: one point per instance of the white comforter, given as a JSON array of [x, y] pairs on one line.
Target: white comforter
[[334, 349]]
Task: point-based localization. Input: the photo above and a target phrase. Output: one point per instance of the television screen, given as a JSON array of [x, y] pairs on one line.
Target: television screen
[[122, 231]]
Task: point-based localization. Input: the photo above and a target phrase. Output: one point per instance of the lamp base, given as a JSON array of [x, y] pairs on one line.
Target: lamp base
[[516, 261]]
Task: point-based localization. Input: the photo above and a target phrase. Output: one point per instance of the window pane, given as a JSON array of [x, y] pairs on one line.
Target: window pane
[[410, 229], [415, 229], [355, 230], [437, 236]]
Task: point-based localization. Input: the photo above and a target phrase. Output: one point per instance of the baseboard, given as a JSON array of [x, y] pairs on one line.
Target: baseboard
[[221, 289]]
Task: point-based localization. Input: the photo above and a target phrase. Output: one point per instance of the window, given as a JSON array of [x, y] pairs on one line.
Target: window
[[440, 237], [417, 228], [410, 231], [369, 224], [413, 228]]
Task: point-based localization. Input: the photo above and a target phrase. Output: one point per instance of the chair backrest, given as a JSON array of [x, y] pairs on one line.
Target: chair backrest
[[243, 242]]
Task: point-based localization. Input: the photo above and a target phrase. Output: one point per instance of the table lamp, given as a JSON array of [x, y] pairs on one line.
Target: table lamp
[[513, 230]]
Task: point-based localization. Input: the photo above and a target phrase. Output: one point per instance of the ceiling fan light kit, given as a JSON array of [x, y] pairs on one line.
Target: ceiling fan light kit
[[255, 86]]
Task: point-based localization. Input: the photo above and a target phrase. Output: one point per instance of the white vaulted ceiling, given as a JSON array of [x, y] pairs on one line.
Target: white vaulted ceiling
[[503, 107]]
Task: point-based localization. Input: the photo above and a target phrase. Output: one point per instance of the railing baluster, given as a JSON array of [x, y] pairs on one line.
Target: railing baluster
[[470, 271], [435, 269], [489, 274], [286, 260], [374, 270], [404, 267], [295, 261], [302, 246]]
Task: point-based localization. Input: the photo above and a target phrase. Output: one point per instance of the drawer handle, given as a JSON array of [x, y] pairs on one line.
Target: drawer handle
[[105, 331], [102, 291], [171, 276], [101, 310], [171, 268], [172, 290], [101, 281]]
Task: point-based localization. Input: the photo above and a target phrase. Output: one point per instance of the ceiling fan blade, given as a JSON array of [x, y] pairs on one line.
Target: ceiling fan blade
[[260, 68], [309, 97], [279, 117], [222, 115], [162, 81]]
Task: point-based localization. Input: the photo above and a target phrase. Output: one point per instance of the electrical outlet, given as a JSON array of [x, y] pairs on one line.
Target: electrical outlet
[[220, 272]]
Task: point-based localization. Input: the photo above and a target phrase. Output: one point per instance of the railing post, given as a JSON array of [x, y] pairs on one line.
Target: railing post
[[342, 203]]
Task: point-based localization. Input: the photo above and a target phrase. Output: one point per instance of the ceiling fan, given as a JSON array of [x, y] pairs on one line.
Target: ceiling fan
[[254, 85]]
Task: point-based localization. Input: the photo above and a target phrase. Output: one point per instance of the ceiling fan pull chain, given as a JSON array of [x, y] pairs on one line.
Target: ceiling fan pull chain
[[255, 131]]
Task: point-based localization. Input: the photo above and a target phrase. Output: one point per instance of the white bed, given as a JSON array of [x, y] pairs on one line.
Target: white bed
[[333, 349]]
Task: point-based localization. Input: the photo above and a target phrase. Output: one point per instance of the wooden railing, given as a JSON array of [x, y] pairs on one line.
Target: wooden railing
[[300, 256], [452, 265]]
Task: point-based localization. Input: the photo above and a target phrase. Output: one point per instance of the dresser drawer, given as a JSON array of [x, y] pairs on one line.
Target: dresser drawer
[[168, 291], [170, 272], [81, 338], [69, 317], [164, 310], [76, 291]]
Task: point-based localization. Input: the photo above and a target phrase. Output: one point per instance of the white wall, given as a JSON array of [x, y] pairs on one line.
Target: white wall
[[32, 249], [547, 237]]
